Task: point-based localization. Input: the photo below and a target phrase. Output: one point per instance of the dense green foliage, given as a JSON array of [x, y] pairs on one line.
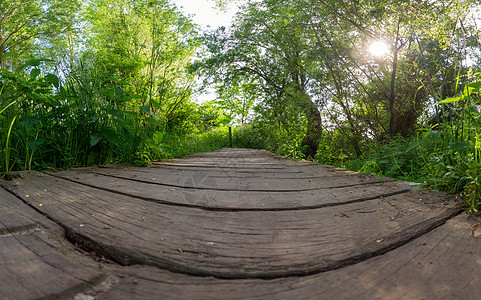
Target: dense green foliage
[[76, 126], [23, 24], [116, 86], [321, 94]]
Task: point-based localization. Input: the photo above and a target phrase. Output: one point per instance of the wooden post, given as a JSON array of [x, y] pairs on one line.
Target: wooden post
[[230, 137]]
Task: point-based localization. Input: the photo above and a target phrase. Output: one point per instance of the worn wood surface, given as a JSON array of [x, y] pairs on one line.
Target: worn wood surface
[[35, 259], [234, 223]]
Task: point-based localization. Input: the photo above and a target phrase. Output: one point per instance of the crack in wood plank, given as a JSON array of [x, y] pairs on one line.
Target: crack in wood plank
[[227, 209], [221, 265], [206, 243]]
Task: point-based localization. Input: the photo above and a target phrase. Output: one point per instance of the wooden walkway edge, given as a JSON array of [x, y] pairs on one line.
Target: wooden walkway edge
[[232, 224]]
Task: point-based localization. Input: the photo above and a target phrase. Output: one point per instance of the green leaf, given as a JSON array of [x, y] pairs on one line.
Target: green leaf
[[34, 62], [459, 146], [158, 137], [34, 73], [53, 80], [155, 104], [468, 91], [449, 100], [94, 139], [92, 157], [116, 113], [111, 136], [120, 117], [120, 92], [62, 93], [153, 122], [34, 145], [121, 113], [110, 93], [475, 85], [145, 109], [30, 123]]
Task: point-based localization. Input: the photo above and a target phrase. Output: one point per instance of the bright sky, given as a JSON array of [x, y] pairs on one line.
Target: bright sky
[[205, 14]]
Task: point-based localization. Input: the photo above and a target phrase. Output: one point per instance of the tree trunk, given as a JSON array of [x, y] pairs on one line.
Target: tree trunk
[[2, 52], [392, 93], [314, 128], [314, 119]]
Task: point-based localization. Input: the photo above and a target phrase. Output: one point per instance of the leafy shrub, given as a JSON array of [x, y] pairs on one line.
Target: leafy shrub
[[175, 146], [44, 124], [262, 136], [249, 136]]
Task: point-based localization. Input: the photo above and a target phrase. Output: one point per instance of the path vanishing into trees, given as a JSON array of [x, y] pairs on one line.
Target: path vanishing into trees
[[232, 224]]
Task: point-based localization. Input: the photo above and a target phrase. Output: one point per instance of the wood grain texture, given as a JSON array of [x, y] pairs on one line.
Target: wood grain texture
[[233, 224], [35, 259], [442, 264], [204, 180], [238, 244], [202, 191]]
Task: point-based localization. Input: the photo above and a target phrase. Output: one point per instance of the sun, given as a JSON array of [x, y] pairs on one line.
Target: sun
[[379, 49]]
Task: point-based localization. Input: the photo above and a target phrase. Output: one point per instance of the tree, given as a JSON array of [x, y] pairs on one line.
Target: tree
[[146, 47], [311, 54], [267, 48], [239, 98], [26, 26], [387, 94]]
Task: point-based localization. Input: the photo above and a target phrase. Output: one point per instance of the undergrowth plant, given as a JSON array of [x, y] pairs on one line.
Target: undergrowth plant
[[445, 156], [459, 158], [84, 121], [166, 145], [264, 136]]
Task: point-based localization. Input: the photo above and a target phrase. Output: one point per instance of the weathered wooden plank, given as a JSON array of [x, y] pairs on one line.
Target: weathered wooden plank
[[203, 180], [368, 240], [289, 173], [238, 153], [234, 159], [219, 171], [263, 244], [228, 200], [278, 166], [231, 163], [243, 164], [443, 264], [35, 259]]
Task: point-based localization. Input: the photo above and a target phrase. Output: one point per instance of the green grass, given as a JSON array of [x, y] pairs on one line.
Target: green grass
[[266, 136], [173, 145], [438, 159], [446, 158], [46, 125]]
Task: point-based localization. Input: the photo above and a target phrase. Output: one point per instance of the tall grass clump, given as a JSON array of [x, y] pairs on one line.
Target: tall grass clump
[[455, 163], [45, 124], [399, 158], [86, 120], [25, 99], [172, 145], [446, 156], [265, 136]]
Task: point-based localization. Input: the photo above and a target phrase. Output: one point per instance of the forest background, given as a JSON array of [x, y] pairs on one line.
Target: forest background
[[86, 82]]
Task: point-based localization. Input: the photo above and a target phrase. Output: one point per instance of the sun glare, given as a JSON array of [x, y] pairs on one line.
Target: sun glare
[[379, 49]]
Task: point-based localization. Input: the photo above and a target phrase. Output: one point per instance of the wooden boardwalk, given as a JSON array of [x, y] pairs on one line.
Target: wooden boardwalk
[[232, 224]]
